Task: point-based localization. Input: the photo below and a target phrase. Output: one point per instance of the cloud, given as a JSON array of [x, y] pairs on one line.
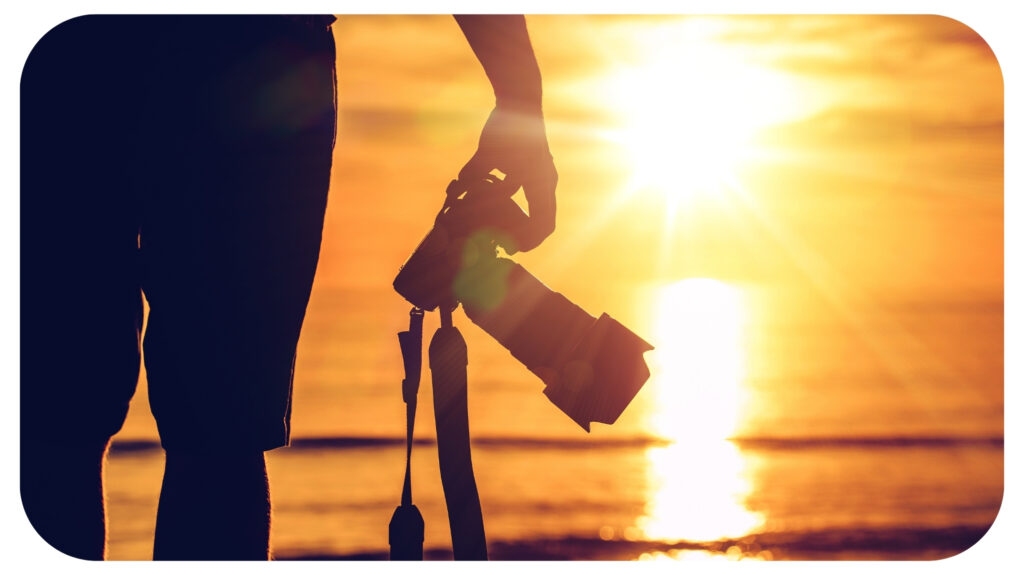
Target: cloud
[[878, 127], [843, 46]]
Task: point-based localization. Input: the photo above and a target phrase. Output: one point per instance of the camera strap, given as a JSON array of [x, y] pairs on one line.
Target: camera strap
[[405, 532], [448, 361], [411, 343]]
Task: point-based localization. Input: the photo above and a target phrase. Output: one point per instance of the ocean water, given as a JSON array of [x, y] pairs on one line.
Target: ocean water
[[810, 434], [550, 500]]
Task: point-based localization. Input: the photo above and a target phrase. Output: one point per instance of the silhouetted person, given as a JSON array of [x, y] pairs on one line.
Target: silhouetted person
[[189, 158]]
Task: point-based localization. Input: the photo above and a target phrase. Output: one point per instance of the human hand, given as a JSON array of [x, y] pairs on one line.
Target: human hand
[[514, 142]]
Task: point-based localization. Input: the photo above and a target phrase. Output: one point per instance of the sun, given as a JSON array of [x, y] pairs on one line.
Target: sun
[[689, 109], [676, 142]]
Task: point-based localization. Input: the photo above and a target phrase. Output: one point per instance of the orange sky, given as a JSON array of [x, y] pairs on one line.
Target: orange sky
[[872, 146], [837, 166]]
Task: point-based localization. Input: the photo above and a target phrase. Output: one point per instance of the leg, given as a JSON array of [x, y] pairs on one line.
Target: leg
[[230, 240], [80, 295], [214, 507], [62, 491]]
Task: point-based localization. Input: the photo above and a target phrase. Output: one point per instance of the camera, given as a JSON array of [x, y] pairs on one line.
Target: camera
[[591, 367]]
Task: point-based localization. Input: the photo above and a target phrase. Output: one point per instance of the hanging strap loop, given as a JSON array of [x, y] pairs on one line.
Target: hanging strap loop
[[411, 343], [405, 532], [448, 361]]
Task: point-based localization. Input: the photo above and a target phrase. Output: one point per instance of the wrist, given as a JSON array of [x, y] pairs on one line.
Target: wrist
[[523, 100]]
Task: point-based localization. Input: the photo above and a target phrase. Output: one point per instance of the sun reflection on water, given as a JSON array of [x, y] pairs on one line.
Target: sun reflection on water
[[697, 483]]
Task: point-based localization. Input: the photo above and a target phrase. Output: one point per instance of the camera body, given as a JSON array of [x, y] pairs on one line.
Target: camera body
[[592, 367]]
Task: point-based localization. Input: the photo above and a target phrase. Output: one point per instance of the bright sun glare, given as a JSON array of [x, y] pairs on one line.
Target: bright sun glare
[[698, 360], [698, 482], [689, 110]]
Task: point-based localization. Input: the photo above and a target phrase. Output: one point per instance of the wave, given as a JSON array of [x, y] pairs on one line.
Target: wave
[[119, 447]]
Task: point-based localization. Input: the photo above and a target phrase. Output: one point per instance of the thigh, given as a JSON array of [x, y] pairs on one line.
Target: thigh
[[232, 224], [80, 300]]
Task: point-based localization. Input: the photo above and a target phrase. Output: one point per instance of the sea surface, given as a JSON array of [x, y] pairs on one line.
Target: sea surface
[[871, 435], [550, 500]]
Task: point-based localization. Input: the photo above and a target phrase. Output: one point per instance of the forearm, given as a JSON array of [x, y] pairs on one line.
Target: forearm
[[502, 45]]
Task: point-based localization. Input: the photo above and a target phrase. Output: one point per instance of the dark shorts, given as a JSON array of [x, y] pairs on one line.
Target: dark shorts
[[188, 157]]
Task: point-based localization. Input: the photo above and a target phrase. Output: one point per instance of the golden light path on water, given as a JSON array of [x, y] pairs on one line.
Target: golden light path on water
[[697, 483], [688, 124]]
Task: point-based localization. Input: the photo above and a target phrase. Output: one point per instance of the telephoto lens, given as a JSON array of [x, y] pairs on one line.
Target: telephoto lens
[[592, 367]]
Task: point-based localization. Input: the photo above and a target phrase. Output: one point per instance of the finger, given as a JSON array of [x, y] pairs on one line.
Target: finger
[[540, 189], [475, 168], [541, 223], [479, 169], [509, 186]]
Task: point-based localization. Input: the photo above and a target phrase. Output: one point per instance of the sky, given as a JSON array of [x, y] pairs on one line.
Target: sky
[[767, 171], [866, 150]]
